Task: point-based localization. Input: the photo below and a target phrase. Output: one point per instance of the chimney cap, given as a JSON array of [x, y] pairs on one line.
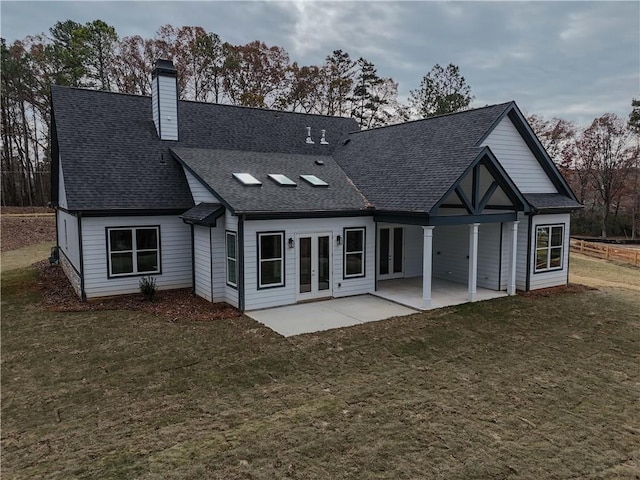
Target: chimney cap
[[165, 67]]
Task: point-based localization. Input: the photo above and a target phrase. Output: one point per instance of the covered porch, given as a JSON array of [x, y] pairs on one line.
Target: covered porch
[[444, 293]]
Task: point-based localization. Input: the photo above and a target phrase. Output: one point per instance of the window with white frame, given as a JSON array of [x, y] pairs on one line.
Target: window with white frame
[[354, 254], [133, 250], [232, 259], [270, 259], [549, 247]]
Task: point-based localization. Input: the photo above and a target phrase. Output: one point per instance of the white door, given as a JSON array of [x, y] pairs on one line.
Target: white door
[[313, 265], [390, 252]]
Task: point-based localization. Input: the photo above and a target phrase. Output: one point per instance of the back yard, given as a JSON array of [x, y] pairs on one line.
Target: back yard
[[534, 386]]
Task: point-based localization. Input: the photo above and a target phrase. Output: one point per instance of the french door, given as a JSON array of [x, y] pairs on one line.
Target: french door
[[313, 266], [390, 252]]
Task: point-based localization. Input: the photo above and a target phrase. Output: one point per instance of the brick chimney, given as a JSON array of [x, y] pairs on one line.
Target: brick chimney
[[164, 99]]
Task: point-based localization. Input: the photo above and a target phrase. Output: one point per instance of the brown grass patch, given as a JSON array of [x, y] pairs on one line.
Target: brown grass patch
[[543, 387], [18, 232]]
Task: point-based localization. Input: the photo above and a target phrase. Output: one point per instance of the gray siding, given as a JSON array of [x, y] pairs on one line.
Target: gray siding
[[557, 277], [450, 251], [165, 98], [202, 261], [175, 247], [521, 266], [271, 297], [219, 272], [230, 223], [489, 255], [413, 250], [199, 192], [517, 159], [68, 240]]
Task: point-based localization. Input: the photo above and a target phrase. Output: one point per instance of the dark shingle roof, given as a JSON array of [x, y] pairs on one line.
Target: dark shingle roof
[[551, 201], [408, 167], [203, 214], [216, 168], [112, 157]]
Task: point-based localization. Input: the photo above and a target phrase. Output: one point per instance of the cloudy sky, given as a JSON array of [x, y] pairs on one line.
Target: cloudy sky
[[575, 60]]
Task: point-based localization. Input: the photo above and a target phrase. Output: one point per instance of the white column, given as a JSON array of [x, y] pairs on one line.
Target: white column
[[473, 260], [427, 255], [511, 286]]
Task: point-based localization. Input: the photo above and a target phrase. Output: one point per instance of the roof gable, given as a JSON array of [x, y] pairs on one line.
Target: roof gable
[[112, 157], [216, 169], [532, 142], [409, 167]]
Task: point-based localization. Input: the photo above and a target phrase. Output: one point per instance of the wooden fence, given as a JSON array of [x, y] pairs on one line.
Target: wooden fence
[[607, 251]]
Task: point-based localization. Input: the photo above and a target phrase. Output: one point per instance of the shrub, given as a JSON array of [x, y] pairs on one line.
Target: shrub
[[148, 287]]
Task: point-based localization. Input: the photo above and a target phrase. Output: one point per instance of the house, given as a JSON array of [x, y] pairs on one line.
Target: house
[[261, 208]]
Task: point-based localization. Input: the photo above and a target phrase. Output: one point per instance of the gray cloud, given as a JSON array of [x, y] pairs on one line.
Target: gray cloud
[[575, 60]]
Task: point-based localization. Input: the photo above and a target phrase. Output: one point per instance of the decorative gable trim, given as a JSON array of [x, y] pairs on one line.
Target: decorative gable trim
[[479, 200]]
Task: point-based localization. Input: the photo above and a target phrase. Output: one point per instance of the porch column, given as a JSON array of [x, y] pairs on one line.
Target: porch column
[[511, 286], [427, 255], [473, 261]]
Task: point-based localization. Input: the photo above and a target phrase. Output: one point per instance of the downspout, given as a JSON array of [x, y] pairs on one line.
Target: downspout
[[211, 262], [500, 258], [241, 220], [83, 294], [528, 281], [193, 263]]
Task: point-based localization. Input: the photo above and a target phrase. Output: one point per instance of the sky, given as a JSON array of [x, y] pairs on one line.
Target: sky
[[572, 60]]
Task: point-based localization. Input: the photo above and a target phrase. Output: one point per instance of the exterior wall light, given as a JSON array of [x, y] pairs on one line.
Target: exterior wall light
[[291, 243], [339, 239]]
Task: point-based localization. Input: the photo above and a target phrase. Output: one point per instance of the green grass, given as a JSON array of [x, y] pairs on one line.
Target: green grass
[[518, 387]]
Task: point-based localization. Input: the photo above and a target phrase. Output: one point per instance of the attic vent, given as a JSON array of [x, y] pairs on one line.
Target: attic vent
[[282, 180], [247, 179], [315, 181], [346, 141], [323, 140], [319, 162]]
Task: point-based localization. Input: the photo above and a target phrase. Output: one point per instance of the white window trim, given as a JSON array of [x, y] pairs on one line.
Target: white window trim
[[228, 234], [134, 251], [362, 272], [261, 260], [548, 248]]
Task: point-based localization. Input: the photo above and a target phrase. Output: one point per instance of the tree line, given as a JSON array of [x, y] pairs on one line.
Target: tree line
[[92, 55], [601, 162]]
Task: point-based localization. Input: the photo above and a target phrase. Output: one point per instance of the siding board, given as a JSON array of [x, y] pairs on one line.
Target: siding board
[[175, 248], [517, 159]]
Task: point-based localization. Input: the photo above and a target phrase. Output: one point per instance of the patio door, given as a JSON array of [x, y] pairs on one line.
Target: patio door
[[313, 266], [390, 252]]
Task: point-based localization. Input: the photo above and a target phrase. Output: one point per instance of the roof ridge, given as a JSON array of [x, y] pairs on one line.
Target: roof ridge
[[226, 105], [505, 104]]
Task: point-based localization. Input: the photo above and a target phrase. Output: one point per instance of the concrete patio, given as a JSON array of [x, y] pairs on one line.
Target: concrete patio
[[408, 292], [327, 314]]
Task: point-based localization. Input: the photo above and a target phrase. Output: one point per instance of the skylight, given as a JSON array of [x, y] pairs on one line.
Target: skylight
[[282, 180], [315, 181], [247, 179]]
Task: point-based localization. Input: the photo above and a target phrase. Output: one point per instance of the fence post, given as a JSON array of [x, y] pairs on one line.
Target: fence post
[[606, 251]]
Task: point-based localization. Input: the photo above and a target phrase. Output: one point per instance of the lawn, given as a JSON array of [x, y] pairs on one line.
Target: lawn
[[519, 387]]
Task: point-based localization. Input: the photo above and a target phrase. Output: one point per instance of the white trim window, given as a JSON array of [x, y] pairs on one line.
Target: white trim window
[[232, 258], [549, 248], [133, 251], [354, 252], [270, 259]]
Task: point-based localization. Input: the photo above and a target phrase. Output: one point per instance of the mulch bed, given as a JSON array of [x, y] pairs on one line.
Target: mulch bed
[[58, 295], [560, 290]]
